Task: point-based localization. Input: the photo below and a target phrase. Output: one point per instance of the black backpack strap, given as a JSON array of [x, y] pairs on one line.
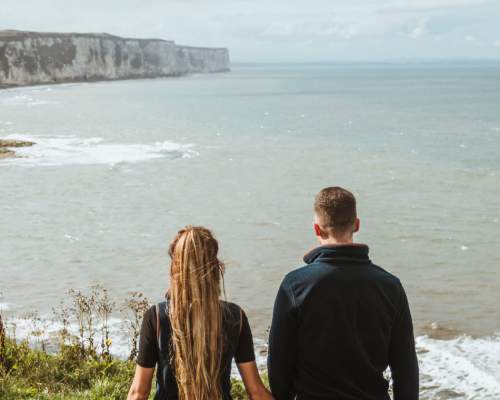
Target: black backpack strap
[[241, 321], [161, 321], [158, 328]]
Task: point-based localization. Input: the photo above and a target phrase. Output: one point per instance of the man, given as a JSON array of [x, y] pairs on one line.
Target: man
[[340, 321]]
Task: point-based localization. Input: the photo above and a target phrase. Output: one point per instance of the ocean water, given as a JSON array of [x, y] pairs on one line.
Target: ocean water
[[120, 166]]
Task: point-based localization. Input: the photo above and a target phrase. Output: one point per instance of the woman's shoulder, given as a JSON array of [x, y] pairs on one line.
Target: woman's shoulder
[[233, 311], [149, 317], [151, 311], [232, 306]]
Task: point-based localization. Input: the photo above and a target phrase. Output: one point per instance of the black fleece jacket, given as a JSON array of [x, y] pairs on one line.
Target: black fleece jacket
[[338, 323]]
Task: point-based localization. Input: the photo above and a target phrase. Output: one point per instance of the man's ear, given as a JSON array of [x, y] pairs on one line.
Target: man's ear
[[357, 224], [317, 230]]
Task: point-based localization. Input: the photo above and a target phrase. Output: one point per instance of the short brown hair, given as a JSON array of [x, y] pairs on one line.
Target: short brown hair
[[336, 209]]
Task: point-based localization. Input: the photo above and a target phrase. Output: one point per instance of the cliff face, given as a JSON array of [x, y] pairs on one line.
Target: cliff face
[[28, 58]]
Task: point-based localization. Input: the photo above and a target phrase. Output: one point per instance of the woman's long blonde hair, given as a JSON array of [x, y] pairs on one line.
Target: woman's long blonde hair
[[196, 313]]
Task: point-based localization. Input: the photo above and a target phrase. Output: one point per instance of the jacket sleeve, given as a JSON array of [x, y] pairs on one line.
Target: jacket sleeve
[[283, 345], [402, 356]]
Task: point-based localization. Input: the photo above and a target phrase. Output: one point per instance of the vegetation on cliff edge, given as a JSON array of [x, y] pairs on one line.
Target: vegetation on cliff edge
[[74, 365]]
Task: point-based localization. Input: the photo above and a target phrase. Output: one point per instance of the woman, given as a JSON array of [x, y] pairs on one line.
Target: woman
[[193, 336]]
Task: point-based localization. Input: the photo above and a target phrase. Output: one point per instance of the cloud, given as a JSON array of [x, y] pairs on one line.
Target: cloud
[[429, 5], [496, 44], [262, 30], [311, 28]]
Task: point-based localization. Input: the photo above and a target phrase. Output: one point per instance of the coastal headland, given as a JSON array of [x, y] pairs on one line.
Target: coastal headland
[[33, 58]]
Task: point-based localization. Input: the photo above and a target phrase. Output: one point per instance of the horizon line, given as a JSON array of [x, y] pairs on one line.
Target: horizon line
[[373, 61]]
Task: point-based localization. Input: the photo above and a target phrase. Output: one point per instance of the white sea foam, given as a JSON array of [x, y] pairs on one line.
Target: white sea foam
[[71, 150], [26, 328], [5, 306], [72, 238], [468, 367], [25, 100]]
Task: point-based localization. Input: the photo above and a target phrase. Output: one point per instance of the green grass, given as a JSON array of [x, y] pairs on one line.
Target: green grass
[[33, 374], [27, 373]]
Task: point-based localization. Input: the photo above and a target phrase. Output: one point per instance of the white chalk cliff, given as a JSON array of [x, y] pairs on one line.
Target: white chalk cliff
[[28, 58]]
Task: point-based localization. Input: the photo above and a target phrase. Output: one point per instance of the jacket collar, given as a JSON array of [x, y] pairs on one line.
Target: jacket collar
[[338, 252]]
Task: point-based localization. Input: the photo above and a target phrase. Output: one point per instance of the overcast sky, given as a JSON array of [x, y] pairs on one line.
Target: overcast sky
[[283, 30]]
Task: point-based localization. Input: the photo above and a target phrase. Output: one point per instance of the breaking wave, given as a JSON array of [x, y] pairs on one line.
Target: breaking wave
[[460, 368], [71, 150]]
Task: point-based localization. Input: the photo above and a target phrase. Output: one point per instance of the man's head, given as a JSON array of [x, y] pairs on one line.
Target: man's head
[[335, 218]]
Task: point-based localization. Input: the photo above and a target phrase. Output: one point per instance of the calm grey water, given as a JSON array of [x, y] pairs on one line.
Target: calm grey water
[[120, 166]]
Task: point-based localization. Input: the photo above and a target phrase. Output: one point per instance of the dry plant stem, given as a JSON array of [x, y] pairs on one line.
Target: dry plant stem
[[2, 343], [135, 307], [84, 308], [104, 307], [78, 311], [63, 315]]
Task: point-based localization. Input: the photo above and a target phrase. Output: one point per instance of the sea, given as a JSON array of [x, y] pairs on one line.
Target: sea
[[119, 167]]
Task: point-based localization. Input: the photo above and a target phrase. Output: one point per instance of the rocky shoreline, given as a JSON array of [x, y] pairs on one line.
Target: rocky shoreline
[[6, 146]]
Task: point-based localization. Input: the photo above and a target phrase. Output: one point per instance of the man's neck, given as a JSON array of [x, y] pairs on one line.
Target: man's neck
[[336, 241]]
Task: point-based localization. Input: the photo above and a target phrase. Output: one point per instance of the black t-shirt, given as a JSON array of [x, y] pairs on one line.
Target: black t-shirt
[[243, 351]]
